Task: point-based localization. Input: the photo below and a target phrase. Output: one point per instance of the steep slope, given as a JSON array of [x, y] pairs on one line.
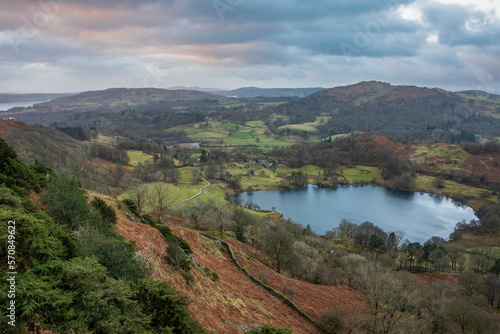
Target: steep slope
[[234, 302], [51, 147], [61, 152]]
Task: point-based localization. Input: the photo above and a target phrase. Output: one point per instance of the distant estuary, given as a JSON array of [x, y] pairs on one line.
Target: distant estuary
[[420, 216]]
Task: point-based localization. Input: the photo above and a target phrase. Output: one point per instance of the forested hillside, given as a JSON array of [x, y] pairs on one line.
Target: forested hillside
[[68, 269], [405, 111]]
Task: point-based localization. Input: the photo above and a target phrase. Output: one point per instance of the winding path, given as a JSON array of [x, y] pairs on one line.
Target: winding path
[[198, 194]]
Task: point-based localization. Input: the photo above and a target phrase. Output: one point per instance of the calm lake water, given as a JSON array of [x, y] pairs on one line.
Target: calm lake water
[[7, 106], [420, 216]]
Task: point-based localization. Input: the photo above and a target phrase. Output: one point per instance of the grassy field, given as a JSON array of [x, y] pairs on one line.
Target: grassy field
[[363, 173], [448, 156], [310, 126], [424, 182], [137, 157]]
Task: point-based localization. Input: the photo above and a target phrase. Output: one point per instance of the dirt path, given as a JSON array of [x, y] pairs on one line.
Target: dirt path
[[198, 194]]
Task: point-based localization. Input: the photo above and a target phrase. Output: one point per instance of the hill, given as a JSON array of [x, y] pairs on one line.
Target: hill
[[247, 92], [64, 154], [406, 111], [109, 100], [10, 98], [233, 302]]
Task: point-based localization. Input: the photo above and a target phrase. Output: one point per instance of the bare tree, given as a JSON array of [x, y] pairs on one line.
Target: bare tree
[[346, 229], [456, 252], [160, 199], [139, 195], [278, 242]]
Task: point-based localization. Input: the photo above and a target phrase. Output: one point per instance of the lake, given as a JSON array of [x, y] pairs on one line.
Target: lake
[[420, 216], [7, 106]]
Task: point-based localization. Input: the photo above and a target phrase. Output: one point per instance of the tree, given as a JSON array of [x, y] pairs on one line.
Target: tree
[[195, 176], [351, 266], [456, 252], [394, 240], [439, 182], [168, 308], [278, 243], [404, 182], [160, 200], [220, 217], [346, 229], [392, 297], [139, 195], [472, 284], [468, 318]]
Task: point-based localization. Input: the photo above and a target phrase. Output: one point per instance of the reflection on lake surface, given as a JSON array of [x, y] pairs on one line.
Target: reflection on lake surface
[[7, 106], [420, 216]]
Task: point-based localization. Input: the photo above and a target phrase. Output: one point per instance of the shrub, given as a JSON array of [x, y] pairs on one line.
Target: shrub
[[66, 202], [177, 257], [270, 330], [166, 306], [172, 238], [331, 321], [132, 206], [147, 219], [107, 213]]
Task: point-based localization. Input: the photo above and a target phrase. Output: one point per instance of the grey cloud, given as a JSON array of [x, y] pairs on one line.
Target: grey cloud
[[450, 21]]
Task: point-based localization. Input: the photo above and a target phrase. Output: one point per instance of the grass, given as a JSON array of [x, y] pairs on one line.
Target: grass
[[240, 139], [450, 157], [424, 182], [363, 173], [263, 179], [137, 157], [310, 126], [472, 241], [266, 141], [192, 131], [303, 127], [256, 124]]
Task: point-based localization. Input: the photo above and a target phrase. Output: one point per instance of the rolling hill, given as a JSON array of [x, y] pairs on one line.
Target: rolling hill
[[247, 92], [109, 100], [406, 111]]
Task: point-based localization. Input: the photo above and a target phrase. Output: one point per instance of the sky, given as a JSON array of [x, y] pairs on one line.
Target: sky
[[79, 45]]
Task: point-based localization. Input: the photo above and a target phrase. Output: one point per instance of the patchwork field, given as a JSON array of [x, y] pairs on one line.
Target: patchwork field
[[229, 134]]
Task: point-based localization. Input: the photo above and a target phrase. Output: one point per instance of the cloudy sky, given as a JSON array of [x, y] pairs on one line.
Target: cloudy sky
[[78, 45]]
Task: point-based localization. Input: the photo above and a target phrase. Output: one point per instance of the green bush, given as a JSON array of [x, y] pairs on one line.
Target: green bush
[[147, 219], [172, 238], [107, 213], [66, 202], [167, 307], [270, 330], [132, 206]]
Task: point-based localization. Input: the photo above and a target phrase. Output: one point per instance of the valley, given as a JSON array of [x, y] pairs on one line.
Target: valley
[[167, 162]]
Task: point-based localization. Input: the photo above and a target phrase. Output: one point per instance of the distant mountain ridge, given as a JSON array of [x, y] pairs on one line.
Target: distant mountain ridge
[[109, 100], [33, 97], [248, 92]]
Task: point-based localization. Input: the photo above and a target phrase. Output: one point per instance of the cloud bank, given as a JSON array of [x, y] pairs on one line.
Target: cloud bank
[[76, 45]]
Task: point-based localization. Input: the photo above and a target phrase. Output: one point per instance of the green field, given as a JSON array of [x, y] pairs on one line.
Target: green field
[[310, 126], [137, 157], [231, 134], [448, 156]]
